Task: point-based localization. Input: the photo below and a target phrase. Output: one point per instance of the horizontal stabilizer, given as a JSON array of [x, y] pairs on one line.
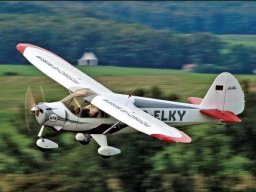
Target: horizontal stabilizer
[[226, 116], [195, 100]]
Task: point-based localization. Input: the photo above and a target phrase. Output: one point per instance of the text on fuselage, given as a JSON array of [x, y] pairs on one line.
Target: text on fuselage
[[168, 115]]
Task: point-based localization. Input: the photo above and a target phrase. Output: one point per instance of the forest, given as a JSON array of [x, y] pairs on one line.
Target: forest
[[218, 17], [122, 42]]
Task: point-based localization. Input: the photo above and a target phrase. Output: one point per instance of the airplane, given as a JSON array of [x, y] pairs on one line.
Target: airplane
[[93, 111]]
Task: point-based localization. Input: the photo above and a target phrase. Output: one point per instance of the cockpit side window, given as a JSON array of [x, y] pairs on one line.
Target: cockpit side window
[[76, 103]]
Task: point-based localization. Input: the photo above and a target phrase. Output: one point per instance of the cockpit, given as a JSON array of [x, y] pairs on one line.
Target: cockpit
[[79, 104]]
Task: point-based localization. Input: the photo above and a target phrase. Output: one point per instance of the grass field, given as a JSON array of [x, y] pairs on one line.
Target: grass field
[[29, 70], [118, 79], [231, 39], [247, 40]]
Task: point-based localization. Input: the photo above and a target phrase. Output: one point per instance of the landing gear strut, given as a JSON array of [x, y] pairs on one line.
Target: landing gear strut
[[45, 143], [223, 124]]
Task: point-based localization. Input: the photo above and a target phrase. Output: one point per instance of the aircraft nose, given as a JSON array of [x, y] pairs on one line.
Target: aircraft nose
[[41, 115]]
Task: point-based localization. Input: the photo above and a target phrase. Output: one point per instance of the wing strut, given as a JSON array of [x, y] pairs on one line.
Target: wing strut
[[110, 128]]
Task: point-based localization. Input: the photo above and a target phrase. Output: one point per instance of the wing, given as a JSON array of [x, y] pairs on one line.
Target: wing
[[58, 69], [139, 120]]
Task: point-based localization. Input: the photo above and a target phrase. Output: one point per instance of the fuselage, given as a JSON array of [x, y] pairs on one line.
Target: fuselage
[[60, 117]]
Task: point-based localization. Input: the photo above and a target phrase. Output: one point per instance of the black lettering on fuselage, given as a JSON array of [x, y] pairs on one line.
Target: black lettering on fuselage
[[172, 115], [156, 114], [181, 114], [163, 118]]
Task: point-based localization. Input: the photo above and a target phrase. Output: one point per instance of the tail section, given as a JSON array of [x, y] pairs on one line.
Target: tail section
[[224, 100], [224, 95]]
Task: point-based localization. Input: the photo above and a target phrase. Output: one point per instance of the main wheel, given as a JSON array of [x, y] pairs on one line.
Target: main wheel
[[85, 142]]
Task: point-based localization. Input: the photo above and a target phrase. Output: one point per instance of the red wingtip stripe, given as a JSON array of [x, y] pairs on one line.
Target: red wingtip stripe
[[183, 139], [21, 47]]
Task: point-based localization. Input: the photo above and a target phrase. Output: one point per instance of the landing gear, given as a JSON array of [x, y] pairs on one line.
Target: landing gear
[[105, 150], [108, 151], [223, 124], [84, 139], [45, 143], [105, 157], [85, 142], [41, 132]]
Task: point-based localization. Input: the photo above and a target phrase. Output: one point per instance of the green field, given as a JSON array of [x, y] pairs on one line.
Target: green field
[[231, 39], [247, 40], [29, 70]]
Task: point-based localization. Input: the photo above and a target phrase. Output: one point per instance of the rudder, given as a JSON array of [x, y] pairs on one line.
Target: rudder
[[225, 94]]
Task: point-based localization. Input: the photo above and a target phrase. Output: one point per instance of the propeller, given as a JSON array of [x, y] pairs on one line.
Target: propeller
[[130, 93], [42, 93], [30, 108]]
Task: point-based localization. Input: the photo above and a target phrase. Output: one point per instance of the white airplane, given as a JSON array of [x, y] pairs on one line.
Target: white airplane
[[93, 111]]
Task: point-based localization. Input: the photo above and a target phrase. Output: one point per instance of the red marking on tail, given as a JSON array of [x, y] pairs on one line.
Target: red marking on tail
[[226, 116], [195, 100]]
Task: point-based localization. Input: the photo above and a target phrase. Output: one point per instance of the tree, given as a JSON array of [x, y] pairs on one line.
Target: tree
[[240, 59], [204, 48]]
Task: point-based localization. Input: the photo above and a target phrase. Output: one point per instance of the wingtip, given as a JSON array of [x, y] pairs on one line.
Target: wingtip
[[183, 139], [21, 47]]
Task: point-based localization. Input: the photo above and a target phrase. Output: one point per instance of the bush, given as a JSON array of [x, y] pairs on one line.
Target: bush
[[172, 97], [10, 73]]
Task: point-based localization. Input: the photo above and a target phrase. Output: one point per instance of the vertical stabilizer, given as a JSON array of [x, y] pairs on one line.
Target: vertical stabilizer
[[225, 94]]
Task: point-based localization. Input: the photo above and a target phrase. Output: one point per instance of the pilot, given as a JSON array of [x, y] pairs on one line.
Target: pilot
[[85, 112], [93, 111]]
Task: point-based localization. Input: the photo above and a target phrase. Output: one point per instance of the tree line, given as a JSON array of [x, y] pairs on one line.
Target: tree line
[[184, 17], [121, 44]]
